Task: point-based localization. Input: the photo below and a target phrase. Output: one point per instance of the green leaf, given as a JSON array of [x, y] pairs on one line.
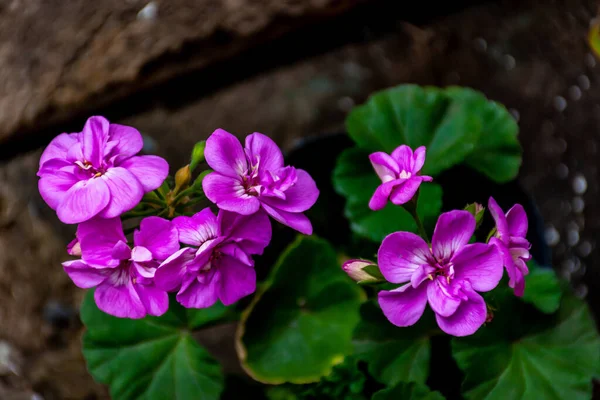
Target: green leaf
[[355, 179], [407, 391], [542, 289], [300, 324], [455, 124], [557, 361], [393, 354], [151, 358]]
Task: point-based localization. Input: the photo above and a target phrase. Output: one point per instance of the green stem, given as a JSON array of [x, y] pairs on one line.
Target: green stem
[[411, 207]]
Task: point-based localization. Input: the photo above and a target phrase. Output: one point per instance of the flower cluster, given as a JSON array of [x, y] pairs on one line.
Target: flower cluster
[[449, 273], [93, 177]]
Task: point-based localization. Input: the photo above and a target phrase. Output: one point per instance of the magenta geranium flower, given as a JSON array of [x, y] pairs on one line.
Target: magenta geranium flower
[[219, 266], [511, 241], [245, 180], [399, 174], [448, 275], [96, 172], [123, 276]]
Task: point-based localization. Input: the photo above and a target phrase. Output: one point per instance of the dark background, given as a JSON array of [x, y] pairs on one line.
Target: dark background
[[177, 70]]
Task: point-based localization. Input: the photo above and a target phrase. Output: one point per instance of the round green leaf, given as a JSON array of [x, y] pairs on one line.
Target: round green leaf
[[555, 362], [355, 179], [455, 124], [407, 391], [393, 354], [542, 289], [152, 358], [300, 324]]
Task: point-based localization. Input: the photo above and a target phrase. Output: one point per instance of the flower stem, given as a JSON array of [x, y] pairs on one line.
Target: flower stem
[[411, 207]]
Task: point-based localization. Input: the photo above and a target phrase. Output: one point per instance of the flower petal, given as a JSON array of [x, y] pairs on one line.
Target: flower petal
[[251, 232], [467, 319], [155, 301], [237, 280], [150, 171], [53, 187], [200, 295], [516, 220], [403, 155], [225, 155], [400, 255], [199, 228], [125, 192], [59, 147], [297, 221], [83, 201], [440, 297], [172, 271], [121, 251], [481, 264], [83, 275], [121, 301], [159, 236], [405, 305], [452, 231], [385, 167], [404, 192], [263, 150], [499, 218], [229, 194], [129, 140], [93, 139], [418, 159], [298, 198], [140, 254], [382, 194]]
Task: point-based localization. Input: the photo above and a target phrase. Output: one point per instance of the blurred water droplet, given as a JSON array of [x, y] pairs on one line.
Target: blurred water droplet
[[578, 204], [560, 103], [575, 93], [562, 171], [150, 145], [551, 235], [583, 81], [568, 265], [345, 103], [515, 113], [581, 291], [480, 44], [565, 207], [579, 184], [561, 145], [36, 396], [585, 248], [572, 237], [590, 60], [149, 12], [509, 62]]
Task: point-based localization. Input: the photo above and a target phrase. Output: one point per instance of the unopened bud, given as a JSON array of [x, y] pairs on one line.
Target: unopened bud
[[74, 248], [477, 210], [362, 271], [182, 178], [197, 154]]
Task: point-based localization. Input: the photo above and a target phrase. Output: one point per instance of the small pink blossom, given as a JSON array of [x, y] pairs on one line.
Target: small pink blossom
[[123, 276], [511, 230], [448, 275], [96, 173], [219, 266], [248, 179], [399, 174]]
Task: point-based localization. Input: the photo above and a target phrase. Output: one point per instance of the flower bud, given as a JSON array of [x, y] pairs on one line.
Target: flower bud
[[74, 248], [197, 154], [362, 271], [477, 210], [182, 178]]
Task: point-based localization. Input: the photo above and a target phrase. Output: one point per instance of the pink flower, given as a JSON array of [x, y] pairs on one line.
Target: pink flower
[[399, 174], [511, 241], [447, 276], [244, 180], [219, 266], [123, 277], [96, 172]]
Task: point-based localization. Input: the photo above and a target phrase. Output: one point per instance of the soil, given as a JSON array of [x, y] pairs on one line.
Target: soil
[[530, 55]]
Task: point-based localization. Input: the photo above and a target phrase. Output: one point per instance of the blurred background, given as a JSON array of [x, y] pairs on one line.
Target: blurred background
[[178, 69]]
